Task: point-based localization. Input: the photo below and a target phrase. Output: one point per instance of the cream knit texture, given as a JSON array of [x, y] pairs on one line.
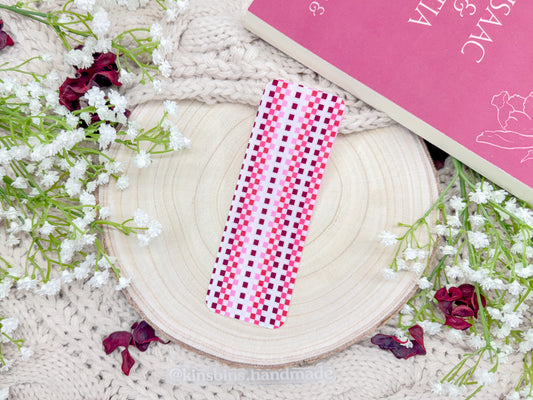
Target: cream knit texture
[[214, 60]]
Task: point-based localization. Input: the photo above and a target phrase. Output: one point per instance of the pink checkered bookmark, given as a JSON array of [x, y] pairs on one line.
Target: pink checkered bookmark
[[262, 243]]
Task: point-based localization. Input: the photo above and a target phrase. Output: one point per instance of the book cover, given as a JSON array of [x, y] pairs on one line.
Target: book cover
[[455, 72]]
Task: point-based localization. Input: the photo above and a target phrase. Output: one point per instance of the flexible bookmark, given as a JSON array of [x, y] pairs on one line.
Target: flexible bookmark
[[271, 210]]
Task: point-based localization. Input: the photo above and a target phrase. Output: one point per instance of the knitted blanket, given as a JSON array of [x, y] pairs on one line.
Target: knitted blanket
[[214, 59]]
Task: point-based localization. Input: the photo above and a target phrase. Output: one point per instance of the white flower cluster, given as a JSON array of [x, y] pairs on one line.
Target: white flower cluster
[[164, 48], [152, 227], [411, 259], [7, 327], [174, 8], [90, 5]]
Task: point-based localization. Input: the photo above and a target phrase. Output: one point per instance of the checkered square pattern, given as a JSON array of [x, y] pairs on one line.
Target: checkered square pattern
[[271, 210]]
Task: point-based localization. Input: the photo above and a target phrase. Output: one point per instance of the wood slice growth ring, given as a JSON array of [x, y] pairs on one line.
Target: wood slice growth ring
[[373, 181]]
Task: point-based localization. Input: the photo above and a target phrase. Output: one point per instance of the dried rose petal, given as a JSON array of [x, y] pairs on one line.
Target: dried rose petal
[[452, 294], [116, 339], [5, 39], [392, 343], [457, 323], [143, 335], [458, 303], [127, 361], [102, 73], [462, 311]]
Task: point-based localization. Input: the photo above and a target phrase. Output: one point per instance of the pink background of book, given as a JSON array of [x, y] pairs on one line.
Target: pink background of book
[[421, 68]]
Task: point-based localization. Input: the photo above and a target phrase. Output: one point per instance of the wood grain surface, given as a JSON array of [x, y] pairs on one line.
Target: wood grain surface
[[374, 180]]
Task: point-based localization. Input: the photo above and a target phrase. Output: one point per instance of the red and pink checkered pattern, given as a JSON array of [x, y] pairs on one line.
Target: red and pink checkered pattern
[[271, 210]]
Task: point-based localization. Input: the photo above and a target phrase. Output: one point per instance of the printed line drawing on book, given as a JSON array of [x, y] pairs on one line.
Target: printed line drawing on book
[[515, 117]]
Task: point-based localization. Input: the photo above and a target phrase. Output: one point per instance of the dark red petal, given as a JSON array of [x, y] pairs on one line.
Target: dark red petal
[[467, 290], [387, 342], [462, 311], [457, 323], [143, 346], [448, 295], [104, 79], [475, 303], [127, 361], [445, 306], [105, 60], [5, 40], [116, 339], [143, 333], [417, 333], [391, 343]]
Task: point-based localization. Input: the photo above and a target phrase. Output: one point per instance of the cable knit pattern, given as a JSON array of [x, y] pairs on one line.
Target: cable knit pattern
[[214, 60]]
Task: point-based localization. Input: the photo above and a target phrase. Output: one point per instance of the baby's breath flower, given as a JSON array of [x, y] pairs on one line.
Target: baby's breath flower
[[85, 5], [154, 229], [107, 136], [478, 239], [454, 221], [484, 377], [156, 31], [5, 288], [401, 264], [104, 212], [476, 341], [26, 353], [437, 388], [123, 182], [100, 23], [99, 278], [476, 220], [418, 267], [424, 283], [407, 310], [457, 203], [142, 159], [123, 283], [512, 320], [143, 239], [523, 271], [171, 108], [8, 325], [389, 274], [157, 86], [498, 196], [50, 288], [448, 250], [141, 218], [482, 194], [27, 283], [410, 254], [388, 238]]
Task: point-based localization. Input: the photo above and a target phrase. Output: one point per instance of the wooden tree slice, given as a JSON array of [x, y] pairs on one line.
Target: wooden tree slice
[[373, 181]]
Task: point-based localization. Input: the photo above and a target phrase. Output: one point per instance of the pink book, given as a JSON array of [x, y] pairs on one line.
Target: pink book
[[456, 72]]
